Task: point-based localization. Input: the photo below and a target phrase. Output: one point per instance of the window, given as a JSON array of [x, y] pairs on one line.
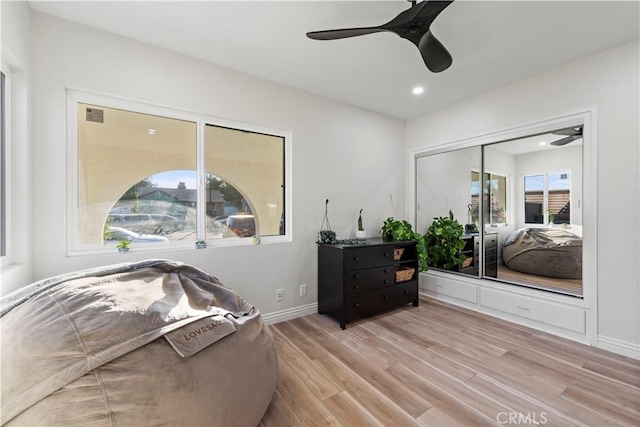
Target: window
[[495, 198], [249, 171], [3, 167], [158, 177], [547, 198]]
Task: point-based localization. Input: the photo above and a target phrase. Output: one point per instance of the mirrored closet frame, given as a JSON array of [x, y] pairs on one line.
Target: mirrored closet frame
[[586, 118]]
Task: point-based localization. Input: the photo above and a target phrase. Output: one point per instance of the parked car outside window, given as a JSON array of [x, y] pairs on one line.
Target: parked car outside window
[[118, 233], [240, 225]]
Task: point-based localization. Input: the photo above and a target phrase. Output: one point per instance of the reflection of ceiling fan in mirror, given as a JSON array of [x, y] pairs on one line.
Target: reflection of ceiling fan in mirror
[[570, 135]]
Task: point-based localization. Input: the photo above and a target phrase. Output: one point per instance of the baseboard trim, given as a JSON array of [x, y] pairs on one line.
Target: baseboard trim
[[290, 313], [615, 345]]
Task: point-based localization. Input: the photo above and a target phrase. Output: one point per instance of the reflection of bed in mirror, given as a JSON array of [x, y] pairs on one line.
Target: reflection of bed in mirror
[[547, 257]]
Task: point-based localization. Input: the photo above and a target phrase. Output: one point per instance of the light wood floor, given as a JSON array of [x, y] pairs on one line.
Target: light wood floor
[[438, 365], [569, 286]]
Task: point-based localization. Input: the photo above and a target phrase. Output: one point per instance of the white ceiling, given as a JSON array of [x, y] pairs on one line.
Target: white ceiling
[[493, 43]]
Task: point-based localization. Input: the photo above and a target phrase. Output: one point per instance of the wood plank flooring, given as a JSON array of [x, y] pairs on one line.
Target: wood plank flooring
[[568, 286], [440, 365]]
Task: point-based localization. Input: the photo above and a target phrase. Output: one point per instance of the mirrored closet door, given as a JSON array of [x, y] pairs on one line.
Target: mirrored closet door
[[530, 230]]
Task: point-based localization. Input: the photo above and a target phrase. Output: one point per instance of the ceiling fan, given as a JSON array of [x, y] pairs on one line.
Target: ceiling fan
[[414, 25], [571, 134]]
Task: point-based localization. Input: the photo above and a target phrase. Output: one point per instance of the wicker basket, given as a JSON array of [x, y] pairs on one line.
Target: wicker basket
[[467, 262], [397, 253], [404, 273]]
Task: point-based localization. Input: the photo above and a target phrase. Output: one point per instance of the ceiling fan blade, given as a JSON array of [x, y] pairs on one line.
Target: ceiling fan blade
[[343, 33], [435, 56], [569, 131], [431, 9], [565, 141], [412, 24], [420, 16]]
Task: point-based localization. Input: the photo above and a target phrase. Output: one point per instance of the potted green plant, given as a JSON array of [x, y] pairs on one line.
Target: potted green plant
[[394, 229], [123, 246], [551, 216], [443, 242], [360, 233]]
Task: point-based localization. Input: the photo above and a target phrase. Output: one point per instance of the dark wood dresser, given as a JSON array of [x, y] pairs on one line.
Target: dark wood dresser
[[357, 280], [472, 249]]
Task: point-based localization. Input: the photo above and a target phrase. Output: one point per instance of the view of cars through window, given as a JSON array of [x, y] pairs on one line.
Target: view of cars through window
[[162, 208]]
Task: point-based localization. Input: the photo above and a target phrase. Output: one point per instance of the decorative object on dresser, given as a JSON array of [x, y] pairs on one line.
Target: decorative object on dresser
[[360, 232], [395, 229], [327, 236], [355, 281]]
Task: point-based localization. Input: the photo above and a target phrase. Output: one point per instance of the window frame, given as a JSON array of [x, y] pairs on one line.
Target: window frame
[[545, 197], [75, 97], [5, 179], [507, 201]]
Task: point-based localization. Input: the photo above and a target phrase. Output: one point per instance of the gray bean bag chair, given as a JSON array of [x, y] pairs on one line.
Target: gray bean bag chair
[[549, 252], [138, 344]]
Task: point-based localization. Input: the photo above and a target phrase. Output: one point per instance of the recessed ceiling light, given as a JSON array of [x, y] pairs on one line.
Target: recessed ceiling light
[[542, 143], [418, 90], [151, 131]]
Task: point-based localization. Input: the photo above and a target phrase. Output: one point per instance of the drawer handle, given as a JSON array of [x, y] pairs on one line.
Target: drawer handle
[[356, 304], [385, 281], [386, 254], [386, 297], [355, 288], [356, 258], [523, 308], [356, 276], [406, 292], [384, 271]]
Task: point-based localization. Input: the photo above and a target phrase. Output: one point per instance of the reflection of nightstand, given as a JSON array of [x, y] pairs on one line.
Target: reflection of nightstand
[[471, 249]]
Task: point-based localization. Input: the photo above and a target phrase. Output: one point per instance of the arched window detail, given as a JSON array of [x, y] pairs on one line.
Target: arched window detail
[[250, 166], [165, 176], [159, 208]]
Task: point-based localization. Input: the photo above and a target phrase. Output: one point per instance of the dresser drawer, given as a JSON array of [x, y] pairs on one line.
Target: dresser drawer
[[365, 303], [368, 257], [491, 269], [491, 241], [491, 256], [405, 293], [368, 279]]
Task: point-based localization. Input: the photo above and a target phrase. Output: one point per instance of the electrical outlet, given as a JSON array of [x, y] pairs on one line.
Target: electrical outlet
[[279, 294], [303, 290]]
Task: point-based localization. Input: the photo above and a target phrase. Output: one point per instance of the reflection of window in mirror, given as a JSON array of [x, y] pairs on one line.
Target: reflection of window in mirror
[[534, 199], [495, 192], [547, 198], [495, 199]]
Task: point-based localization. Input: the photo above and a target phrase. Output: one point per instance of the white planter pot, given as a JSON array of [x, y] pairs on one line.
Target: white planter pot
[[361, 235]]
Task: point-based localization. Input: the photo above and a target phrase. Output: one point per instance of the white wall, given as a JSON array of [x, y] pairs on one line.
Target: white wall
[[351, 156], [444, 184], [16, 54], [608, 81]]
